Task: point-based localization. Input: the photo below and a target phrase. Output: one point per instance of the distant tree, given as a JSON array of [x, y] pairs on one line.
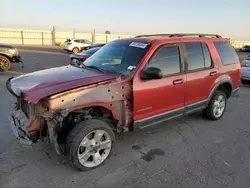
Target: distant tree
[[107, 32]]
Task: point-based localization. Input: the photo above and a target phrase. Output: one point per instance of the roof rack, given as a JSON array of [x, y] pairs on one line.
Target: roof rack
[[194, 34], [180, 35], [153, 35]]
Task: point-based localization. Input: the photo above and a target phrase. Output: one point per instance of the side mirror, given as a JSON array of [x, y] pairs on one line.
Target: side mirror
[[151, 73]]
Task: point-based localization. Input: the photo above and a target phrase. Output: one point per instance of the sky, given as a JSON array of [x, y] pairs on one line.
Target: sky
[[230, 18]]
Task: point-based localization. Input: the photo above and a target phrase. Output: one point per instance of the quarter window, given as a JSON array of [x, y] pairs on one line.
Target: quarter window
[[167, 59], [227, 53]]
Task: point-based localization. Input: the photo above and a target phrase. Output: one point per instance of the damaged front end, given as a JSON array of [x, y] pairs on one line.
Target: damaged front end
[[58, 113], [31, 122]]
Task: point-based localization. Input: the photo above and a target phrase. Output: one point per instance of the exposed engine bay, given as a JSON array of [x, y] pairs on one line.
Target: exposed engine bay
[[54, 116]]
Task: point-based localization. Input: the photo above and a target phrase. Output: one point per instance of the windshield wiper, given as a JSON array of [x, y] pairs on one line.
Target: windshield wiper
[[93, 67]]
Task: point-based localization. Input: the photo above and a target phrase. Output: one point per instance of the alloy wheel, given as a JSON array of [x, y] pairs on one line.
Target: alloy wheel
[[4, 64], [94, 148], [219, 106]]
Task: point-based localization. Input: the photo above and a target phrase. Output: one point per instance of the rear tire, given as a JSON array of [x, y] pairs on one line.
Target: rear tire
[[75, 50], [216, 107], [89, 137], [4, 63]]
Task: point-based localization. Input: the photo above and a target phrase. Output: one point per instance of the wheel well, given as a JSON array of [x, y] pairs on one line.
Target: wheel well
[[77, 116], [75, 47], [6, 56], [226, 88]]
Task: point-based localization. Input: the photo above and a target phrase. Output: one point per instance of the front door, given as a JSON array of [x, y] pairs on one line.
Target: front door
[[160, 99]]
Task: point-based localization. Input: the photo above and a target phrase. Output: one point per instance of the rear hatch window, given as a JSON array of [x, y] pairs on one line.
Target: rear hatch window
[[227, 53]]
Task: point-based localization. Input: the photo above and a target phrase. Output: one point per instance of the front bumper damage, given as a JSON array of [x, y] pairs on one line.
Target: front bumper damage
[[18, 122], [28, 119], [27, 130]]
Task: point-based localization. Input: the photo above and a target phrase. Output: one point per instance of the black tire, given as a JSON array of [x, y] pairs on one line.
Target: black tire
[[208, 112], [75, 50], [4, 63], [246, 82], [76, 136]]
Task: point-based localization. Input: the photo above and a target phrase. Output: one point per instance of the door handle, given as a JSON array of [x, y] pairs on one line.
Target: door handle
[[213, 73], [179, 81]]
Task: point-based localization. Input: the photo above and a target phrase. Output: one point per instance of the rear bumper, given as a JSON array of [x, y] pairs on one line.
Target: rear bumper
[[16, 59], [68, 48], [245, 73]]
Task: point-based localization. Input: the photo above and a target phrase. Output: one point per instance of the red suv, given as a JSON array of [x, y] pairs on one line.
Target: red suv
[[126, 85]]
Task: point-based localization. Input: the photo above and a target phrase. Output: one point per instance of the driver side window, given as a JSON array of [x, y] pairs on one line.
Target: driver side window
[[167, 59]]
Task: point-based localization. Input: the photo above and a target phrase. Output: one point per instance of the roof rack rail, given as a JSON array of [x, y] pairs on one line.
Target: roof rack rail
[[153, 35], [194, 34]]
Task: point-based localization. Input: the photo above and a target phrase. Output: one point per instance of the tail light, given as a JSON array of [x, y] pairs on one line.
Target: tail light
[[69, 43], [84, 59], [242, 64]]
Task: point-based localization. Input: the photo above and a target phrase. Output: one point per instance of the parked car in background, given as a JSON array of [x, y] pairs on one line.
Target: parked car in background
[[96, 45], [245, 69], [128, 84], [8, 54], [245, 48], [76, 45], [77, 59]]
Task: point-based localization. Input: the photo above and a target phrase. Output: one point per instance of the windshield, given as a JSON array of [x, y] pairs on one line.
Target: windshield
[[118, 57]]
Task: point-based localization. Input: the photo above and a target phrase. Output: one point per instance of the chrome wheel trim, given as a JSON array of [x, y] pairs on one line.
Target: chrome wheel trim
[[94, 148], [219, 106], [3, 64]]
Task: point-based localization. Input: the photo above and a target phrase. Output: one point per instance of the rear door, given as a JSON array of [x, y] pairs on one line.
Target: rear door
[[201, 73]]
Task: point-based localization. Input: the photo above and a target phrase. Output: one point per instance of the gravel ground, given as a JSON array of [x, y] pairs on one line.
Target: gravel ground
[[187, 152]]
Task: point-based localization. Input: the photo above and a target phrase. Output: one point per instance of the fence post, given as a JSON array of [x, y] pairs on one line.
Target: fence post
[[106, 38], [22, 37], [42, 39], [74, 33], [119, 37], [53, 36], [93, 36]]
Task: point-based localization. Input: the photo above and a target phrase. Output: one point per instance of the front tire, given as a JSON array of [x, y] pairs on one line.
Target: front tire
[[89, 144], [4, 63], [216, 107]]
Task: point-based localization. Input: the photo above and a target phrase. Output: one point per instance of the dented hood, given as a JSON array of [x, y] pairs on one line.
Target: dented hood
[[37, 85]]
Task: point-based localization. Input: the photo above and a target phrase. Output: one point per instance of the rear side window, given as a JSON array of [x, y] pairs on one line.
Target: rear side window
[[198, 55], [194, 55], [167, 59], [227, 53], [86, 41]]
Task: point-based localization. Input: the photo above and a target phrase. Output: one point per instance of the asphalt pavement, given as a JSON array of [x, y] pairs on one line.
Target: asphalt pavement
[[182, 153]]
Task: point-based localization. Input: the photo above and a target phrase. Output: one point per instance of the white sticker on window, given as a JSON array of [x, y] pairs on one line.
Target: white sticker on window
[[138, 44], [131, 67]]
